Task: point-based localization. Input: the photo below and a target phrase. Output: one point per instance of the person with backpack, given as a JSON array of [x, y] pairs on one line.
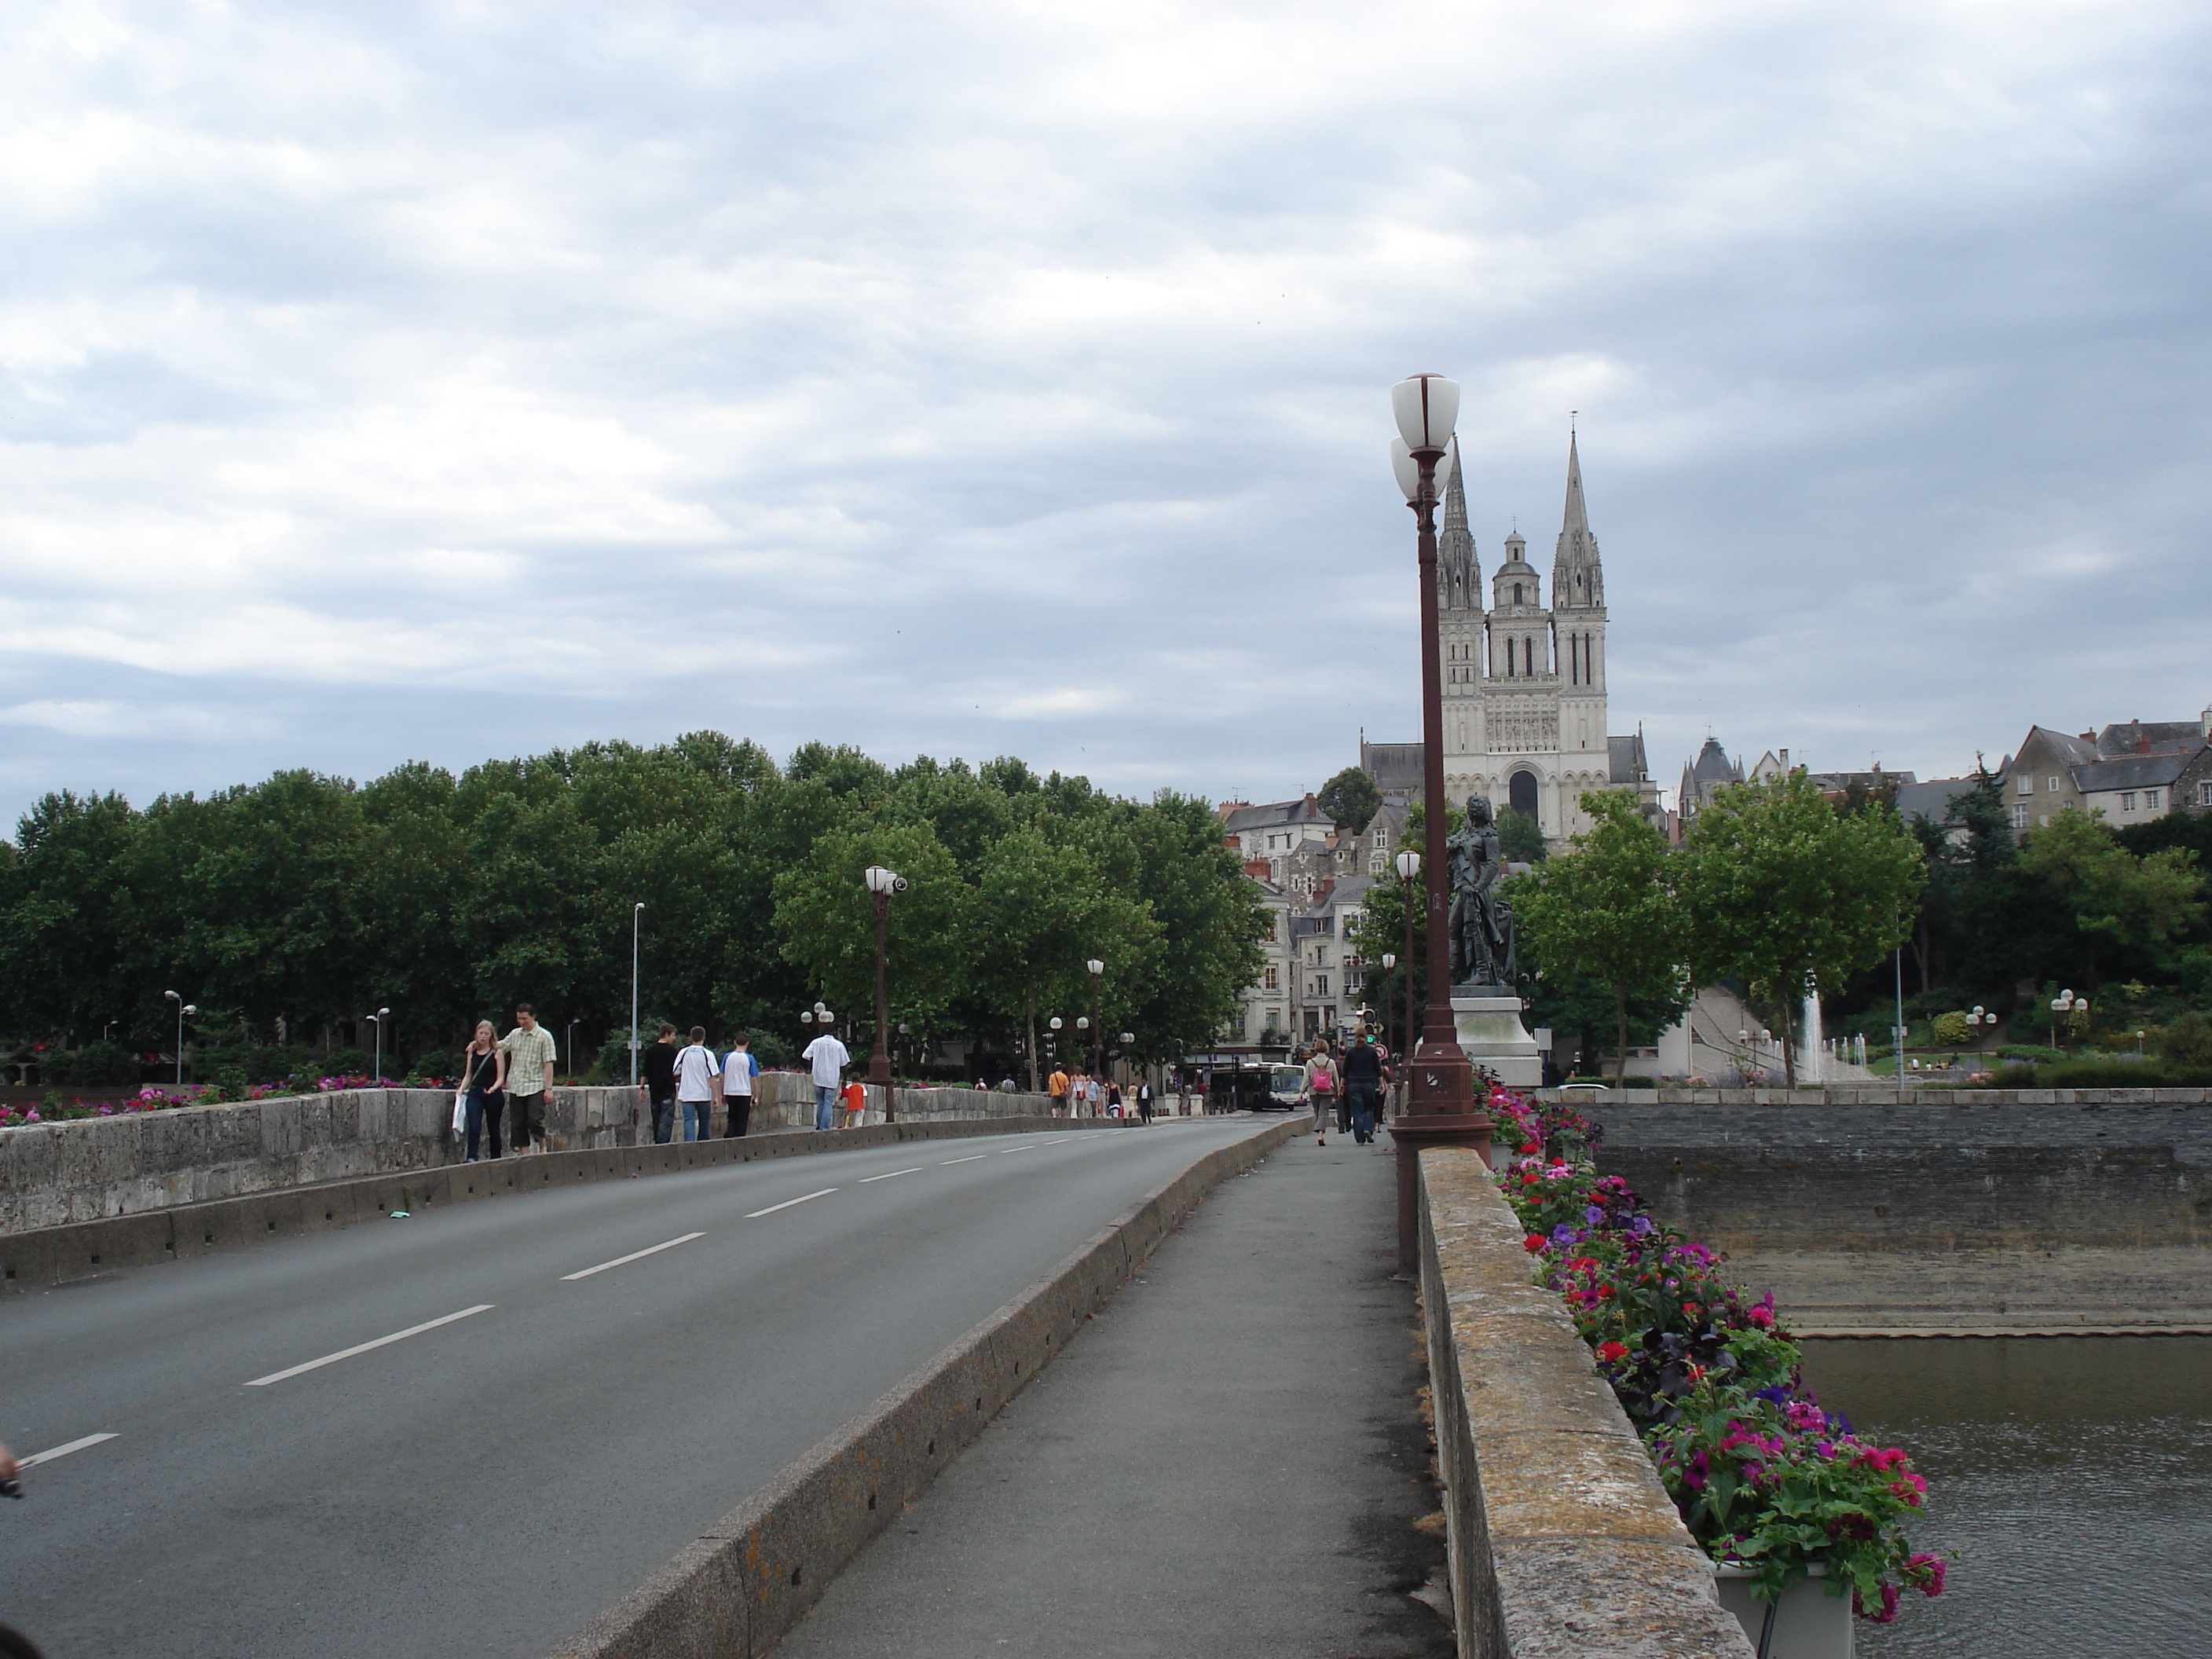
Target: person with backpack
[[1320, 1088], [1365, 1077]]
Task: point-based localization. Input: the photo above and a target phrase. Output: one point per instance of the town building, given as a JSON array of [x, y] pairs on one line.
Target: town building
[[2130, 771]]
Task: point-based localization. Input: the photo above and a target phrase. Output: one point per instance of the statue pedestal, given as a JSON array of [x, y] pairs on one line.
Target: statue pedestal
[[1492, 1036]]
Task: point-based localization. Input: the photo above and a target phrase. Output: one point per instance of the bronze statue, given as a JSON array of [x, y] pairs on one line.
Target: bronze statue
[[1480, 923]]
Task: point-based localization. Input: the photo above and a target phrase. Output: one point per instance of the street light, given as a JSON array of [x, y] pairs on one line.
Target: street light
[[1097, 984], [1409, 870], [1439, 1107], [1979, 1020], [377, 1019], [636, 910], [2061, 1006], [882, 884], [2139, 1037], [573, 1024], [183, 1008]]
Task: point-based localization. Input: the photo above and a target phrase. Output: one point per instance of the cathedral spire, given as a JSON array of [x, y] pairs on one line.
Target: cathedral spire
[[1459, 572], [1577, 577]]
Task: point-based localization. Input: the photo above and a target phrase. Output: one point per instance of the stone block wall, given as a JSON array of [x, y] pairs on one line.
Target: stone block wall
[[55, 1175], [1563, 1543]]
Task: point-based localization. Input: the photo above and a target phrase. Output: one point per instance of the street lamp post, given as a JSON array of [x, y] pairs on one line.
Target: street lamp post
[[1097, 1035], [1409, 871], [2062, 1007], [573, 1024], [882, 884], [377, 1019], [636, 910], [183, 1008], [1439, 1106]]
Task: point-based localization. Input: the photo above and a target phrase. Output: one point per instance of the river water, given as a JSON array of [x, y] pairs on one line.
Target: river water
[[2070, 1487]]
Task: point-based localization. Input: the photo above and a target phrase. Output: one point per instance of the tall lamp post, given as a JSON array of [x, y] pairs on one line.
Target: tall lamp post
[[1439, 1107], [882, 884], [1097, 1036], [1409, 871], [636, 910], [377, 1019], [183, 1008], [573, 1024]]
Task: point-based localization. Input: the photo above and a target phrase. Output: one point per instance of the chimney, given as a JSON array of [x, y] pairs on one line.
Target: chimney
[[1785, 761]]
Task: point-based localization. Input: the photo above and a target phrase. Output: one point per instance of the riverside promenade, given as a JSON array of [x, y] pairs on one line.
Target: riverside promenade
[[1228, 1459]]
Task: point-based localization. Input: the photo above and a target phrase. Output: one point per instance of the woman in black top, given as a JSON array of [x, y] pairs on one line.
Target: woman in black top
[[485, 1074]]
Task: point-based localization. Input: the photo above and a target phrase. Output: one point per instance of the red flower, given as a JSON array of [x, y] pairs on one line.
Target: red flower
[[1533, 1243], [1610, 1350]]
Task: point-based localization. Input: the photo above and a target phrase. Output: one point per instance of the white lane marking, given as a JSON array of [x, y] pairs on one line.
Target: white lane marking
[[1011, 1150], [865, 1180], [651, 1250], [37, 1458], [977, 1159], [363, 1347], [788, 1202]]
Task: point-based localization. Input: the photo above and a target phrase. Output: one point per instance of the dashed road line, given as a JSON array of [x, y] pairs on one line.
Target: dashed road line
[[788, 1202], [865, 1180], [651, 1249], [37, 1458], [363, 1347], [975, 1157], [1011, 1150]]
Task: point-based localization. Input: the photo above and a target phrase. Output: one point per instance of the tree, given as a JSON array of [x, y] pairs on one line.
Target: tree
[[1351, 799], [1781, 892], [2117, 897], [1606, 911], [1521, 837]]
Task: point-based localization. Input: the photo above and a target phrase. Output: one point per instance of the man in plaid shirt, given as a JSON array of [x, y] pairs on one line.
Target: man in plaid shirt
[[530, 1056]]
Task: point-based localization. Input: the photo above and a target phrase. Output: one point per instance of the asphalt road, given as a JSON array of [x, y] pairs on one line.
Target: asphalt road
[[469, 1431]]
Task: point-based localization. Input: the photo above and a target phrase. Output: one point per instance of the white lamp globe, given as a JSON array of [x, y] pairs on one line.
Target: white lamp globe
[[1427, 408]]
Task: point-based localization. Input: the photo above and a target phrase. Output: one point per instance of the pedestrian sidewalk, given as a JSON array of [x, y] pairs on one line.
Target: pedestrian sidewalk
[[1227, 1460]]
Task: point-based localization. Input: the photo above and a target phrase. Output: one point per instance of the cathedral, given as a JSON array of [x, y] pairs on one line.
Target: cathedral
[[1523, 682]]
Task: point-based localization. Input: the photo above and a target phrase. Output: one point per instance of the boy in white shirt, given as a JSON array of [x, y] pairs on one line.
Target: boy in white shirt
[[698, 1085]]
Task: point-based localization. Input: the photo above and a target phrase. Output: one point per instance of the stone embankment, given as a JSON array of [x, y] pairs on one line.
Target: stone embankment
[[54, 1175], [1563, 1543], [1969, 1212]]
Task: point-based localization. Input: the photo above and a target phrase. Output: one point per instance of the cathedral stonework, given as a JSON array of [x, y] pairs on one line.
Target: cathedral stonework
[[1524, 682]]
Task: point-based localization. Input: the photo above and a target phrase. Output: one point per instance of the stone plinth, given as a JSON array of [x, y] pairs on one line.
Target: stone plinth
[[1491, 1036]]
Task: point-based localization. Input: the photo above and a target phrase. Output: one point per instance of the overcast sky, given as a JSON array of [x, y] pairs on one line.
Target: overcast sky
[[389, 382]]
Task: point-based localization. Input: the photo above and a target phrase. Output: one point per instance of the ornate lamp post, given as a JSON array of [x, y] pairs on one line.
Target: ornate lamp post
[[183, 1008], [1409, 871], [635, 911], [882, 884], [1439, 1105]]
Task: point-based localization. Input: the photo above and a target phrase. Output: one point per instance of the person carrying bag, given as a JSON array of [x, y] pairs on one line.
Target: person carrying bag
[[1322, 1081]]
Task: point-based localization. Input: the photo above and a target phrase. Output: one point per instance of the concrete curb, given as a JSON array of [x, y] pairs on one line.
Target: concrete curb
[[57, 1256], [746, 1579]]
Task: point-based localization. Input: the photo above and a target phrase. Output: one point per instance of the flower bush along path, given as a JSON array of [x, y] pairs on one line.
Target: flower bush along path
[[153, 1098], [1764, 1477]]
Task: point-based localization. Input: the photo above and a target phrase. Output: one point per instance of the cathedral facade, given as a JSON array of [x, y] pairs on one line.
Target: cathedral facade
[[1524, 697]]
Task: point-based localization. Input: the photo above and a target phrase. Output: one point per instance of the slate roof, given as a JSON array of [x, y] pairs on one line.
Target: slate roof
[[1624, 760], [2166, 737], [1712, 765], [2133, 771], [1274, 815], [1932, 799]]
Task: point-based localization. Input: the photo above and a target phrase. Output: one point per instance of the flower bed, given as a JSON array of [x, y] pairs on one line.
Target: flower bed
[[153, 1098], [1764, 1477]]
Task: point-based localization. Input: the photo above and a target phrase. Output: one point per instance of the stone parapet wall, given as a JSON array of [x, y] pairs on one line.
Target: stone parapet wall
[[1563, 1543], [59, 1174], [1876, 1094]]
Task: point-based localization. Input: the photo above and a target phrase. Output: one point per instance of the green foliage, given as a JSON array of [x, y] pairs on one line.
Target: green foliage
[[1779, 888], [2103, 1075], [1351, 801], [1607, 913], [1952, 1030], [1521, 837], [2116, 896], [2187, 1041], [309, 901]]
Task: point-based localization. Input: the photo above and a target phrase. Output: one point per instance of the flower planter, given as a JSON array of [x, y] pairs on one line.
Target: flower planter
[[1808, 1622]]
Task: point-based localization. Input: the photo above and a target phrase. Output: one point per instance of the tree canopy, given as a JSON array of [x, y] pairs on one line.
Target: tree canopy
[[1351, 799]]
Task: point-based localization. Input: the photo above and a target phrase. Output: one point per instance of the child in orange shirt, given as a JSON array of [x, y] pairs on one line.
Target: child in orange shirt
[[856, 1103]]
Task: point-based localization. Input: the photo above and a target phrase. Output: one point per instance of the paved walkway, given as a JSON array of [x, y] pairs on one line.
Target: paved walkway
[[1227, 1462]]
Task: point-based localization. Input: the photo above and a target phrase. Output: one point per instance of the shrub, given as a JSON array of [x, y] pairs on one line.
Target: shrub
[[2033, 1054], [2187, 1041], [1952, 1030]]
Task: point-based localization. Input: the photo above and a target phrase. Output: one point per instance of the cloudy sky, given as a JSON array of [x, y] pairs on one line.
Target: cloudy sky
[[389, 382]]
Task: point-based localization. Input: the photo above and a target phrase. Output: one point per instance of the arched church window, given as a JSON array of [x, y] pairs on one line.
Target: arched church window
[[1516, 593]]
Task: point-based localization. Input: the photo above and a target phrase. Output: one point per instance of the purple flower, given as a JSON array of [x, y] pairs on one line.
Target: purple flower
[[1641, 1226], [1563, 1234], [1594, 1215]]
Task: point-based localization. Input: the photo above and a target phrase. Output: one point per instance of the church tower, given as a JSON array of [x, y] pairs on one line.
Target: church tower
[[1524, 682]]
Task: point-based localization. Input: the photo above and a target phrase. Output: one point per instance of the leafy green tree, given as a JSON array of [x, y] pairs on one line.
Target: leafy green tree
[[1351, 799], [1780, 891], [1521, 837], [1607, 912], [2117, 897]]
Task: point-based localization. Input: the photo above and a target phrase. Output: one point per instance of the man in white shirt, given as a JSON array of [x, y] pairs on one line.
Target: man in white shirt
[[739, 1069], [698, 1084], [828, 1059]]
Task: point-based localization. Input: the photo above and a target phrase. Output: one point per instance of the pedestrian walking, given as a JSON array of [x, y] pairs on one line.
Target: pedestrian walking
[[698, 1083], [739, 1068], [1112, 1100], [827, 1058], [483, 1068], [530, 1056], [1057, 1084], [1364, 1077], [1321, 1081], [856, 1103], [1144, 1102], [659, 1089]]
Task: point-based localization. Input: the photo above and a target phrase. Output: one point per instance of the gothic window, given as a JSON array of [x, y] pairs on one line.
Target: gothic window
[[1516, 593]]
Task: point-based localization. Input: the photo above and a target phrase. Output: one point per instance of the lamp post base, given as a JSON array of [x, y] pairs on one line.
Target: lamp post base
[[1411, 1133]]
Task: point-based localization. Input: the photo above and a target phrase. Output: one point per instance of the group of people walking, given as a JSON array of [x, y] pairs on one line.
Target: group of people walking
[[1084, 1095], [503, 1082], [1352, 1085]]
